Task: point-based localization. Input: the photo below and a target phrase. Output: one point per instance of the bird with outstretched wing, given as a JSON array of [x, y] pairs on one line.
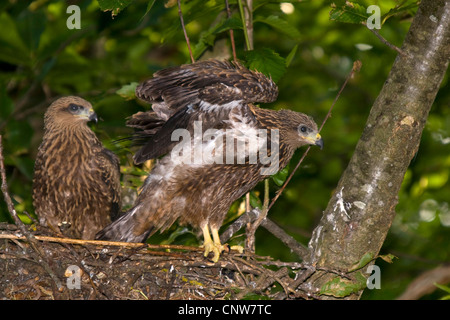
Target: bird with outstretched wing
[[212, 143]]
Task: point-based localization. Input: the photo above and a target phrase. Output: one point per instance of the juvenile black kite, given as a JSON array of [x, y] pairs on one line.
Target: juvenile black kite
[[76, 181], [216, 146]]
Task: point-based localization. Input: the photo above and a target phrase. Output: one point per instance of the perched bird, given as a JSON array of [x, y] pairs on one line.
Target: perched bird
[[76, 180], [216, 145]]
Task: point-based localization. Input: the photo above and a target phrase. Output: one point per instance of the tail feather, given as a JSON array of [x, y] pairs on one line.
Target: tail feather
[[124, 229]]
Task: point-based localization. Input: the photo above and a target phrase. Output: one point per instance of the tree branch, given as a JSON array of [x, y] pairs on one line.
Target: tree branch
[[383, 40], [270, 226], [425, 283]]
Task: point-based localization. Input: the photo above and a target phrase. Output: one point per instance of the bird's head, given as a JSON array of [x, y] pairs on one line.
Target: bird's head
[[68, 111], [298, 129]]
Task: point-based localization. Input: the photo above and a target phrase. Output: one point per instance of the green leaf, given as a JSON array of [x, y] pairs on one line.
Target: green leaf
[[351, 12], [389, 258], [339, 287], [291, 55], [255, 202], [406, 8], [208, 37], [149, 7], [115, 6], [366, 258], [442, 287], [280, 25], [445, 288], [266, 61], [232, 23], [13, 50], [174, 235], [128, 91], [193, 10], [31, 28], [280, 177]]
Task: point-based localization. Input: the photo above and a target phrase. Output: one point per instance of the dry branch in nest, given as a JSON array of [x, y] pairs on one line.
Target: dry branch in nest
[[108, 270]]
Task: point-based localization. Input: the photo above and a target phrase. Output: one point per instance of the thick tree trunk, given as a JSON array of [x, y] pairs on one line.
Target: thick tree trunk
[[360, 212]]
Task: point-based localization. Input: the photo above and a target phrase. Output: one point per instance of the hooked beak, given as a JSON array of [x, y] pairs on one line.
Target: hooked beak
[[93, 116], [87, 115], [315, 140], [319, 141]]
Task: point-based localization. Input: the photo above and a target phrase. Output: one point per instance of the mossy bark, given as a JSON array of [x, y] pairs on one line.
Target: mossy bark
[[360, 212]]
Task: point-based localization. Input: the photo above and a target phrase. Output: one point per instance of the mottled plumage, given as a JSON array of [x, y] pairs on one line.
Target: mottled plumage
[[76, 180], [199, 98]]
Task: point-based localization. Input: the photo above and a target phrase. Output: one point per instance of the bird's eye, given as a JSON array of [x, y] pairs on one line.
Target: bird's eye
[[303, 129], [74, 107]]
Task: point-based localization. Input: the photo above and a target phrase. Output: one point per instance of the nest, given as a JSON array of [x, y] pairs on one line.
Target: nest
[[41, 266]]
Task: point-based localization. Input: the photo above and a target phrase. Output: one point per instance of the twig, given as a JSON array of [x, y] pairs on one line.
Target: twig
[[244, 25], [302, 276], [248, 10], [296, 247], [289, 178], [267, 278], [251, 231], [184, 31], [238, 224], [270, 226], [233, 45], [356, 67], [104, 243], [6, 195], [390, 45]]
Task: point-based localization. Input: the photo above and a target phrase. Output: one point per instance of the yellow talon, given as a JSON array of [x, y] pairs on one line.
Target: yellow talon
[[212, 246], [215, 246]]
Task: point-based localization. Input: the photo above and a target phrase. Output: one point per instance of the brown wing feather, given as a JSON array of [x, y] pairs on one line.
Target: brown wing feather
[[210, 81], [206, 90]]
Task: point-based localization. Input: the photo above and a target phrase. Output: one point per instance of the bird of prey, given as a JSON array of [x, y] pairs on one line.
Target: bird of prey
[[76, 180], [213, 144]]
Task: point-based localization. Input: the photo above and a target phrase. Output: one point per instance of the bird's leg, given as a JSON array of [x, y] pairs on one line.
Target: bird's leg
[[209, 245], [218, 244], [214, 245]]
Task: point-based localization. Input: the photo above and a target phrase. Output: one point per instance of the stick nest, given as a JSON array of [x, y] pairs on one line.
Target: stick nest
[[40, 266]]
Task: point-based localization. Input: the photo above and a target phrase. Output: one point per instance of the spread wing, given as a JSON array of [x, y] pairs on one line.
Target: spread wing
[[207, 91]]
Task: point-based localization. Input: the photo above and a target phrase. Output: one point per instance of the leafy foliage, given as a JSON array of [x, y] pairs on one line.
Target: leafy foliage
[[307, 49], [339, 287]]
